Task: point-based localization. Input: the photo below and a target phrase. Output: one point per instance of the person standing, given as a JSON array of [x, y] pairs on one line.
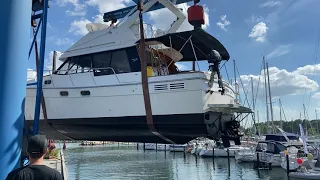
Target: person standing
[[36, 170]]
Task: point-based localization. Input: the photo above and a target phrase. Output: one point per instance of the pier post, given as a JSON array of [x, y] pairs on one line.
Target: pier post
[[156, 147], [15, 36], [228, 153], [213, 154], [258, 161], [197, 160], [287, 159], [165, 152]]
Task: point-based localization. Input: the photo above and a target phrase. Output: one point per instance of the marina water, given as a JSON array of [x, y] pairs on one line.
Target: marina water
[[126, 162]]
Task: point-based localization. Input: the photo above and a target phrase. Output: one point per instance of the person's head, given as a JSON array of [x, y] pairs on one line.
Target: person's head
[[37, 147]]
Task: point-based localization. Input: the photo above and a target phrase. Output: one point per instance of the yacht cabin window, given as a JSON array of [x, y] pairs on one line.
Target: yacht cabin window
[[102, 63], [120, 62]]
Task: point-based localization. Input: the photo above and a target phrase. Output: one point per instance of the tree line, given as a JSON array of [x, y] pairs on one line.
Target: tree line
[[310, 127]]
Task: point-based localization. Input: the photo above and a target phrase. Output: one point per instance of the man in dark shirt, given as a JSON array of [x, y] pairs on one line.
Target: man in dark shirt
[[36, 170]]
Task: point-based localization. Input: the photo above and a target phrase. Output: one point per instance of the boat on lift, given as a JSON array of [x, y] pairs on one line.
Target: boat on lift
[[96, 94]]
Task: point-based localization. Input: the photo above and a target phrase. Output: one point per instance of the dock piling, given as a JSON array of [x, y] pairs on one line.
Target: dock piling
[[228, 153], [287, 159], [213, 154], [258, 161]]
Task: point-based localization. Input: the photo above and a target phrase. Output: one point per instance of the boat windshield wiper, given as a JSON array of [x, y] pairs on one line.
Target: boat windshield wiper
[[214, 62]]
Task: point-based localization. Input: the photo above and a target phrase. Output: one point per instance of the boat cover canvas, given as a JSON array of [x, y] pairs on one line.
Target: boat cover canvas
[[203, 44]]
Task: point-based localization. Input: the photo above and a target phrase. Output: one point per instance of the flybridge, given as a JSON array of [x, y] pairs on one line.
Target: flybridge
[[121, 13]]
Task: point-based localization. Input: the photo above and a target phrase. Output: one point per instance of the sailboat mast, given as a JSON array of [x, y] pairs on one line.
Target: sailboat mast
[[317, 120], [305, 119], [258, 123], [280, 105], [235, 78], [253, 105], [266, 90], [270, 97]]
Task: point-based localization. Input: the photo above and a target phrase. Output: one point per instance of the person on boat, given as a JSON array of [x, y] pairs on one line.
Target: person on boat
[[52, 146], [36, 170], [113, 23]]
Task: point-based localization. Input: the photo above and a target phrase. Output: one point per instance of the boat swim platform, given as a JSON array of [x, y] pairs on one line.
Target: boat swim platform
[[227, 108]]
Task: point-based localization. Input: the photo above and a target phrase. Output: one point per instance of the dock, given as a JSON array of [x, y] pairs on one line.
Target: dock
[[58, 164]]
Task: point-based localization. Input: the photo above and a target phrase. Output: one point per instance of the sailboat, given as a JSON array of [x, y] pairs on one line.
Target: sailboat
[[96, 94]]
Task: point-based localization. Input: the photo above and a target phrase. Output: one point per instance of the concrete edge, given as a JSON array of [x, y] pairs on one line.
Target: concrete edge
[[64, 170]]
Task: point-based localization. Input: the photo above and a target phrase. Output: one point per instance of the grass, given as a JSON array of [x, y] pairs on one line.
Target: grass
[[54, 154]]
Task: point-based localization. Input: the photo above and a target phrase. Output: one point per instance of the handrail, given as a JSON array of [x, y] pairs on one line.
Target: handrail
[[114, 72]]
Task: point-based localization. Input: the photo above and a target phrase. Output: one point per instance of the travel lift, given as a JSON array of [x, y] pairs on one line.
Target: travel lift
[[15, 40], [16, 18], [225, 131]]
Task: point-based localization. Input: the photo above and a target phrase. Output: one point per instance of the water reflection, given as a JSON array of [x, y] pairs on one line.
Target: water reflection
[[126, 162]]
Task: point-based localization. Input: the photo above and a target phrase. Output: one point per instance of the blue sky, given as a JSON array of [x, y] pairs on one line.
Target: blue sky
[[285, 31]]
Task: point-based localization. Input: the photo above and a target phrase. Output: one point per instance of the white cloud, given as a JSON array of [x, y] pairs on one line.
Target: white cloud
[[49, 25], [259, 32], [99, 19], [309, 70], [79, 8], [279, 51], [78, 27], [256, 19], [163, 18], [63, 41], [270, 4], [316, 95], [223, 22], [282, 82], [106, 6], [181, 66], [75, 13], [31, 75]]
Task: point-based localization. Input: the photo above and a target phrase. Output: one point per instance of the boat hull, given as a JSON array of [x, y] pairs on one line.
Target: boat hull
[[111, 108], [218, 152], [178, 128]]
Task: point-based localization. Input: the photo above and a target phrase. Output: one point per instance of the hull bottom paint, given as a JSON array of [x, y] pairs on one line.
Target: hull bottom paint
[[178, 128]]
